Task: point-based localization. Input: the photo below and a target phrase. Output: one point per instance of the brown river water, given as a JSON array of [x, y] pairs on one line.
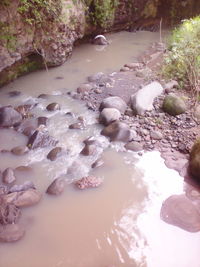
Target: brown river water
[[115, 225]]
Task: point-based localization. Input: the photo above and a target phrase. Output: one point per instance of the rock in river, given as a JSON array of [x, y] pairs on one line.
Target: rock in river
[[100, 40], [53, 107], [41, 139], [20, 150], [8, 176], [114, 102], [22, 187], [88, 182], [54, 153], [77, 126], [9, 213], [178, 210], [11, 232], [23, 198], [56, 187], [42, 121], [83, 88], [117, 131], [9, 117], [89, 149], [109, 115]]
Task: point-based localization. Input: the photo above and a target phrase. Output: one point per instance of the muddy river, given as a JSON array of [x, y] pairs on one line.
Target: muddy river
[[115, 225]]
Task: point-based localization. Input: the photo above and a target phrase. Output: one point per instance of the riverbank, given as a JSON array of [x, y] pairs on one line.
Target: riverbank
[[172, 136]]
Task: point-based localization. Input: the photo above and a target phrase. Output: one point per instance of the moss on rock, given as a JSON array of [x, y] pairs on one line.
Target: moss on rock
[[174, 105]]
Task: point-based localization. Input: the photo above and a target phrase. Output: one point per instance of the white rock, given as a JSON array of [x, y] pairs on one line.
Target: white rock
[[144, 98], [109, 115]]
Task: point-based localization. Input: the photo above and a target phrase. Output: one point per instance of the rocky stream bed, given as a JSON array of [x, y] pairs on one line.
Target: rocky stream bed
[[137, 108]]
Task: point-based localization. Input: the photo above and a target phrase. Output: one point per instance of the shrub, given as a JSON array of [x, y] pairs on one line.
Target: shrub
[[182, 61]]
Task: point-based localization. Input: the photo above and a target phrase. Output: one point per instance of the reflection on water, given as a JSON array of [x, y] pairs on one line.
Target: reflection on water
[[115, 225]]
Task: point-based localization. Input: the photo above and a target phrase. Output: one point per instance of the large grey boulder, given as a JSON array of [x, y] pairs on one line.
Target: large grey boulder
[[9, 117], [117, 131], [114, 102], [180, 211], [174, 105], [144, 98], [109, 115]]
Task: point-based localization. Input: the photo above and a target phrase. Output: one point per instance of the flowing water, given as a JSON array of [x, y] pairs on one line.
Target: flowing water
[[117, 224]]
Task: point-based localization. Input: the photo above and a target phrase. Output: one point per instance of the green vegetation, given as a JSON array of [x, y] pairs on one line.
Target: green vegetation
[[182, 61], [101, 12], [37, 12], [7, 36]]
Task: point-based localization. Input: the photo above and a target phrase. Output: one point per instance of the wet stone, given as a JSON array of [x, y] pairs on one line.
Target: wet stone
[[90, 140], [25, 109], [5, 151], [100, 40], [97, 163], [11, 232], [8, 176], [22, 187], [56, 187], [41, 139], [19, 150], [178, 210], [27, 127], [123, 69], [42, 121], [14, 93], [9, 214], [25, 198], [114, 102], [3, 190], [69, 113], [54, 153], [96, 77], [89, 150], [109, 115], [43, 96], [9, 117], [77, 126], [53, 107], [84, 88], [117, 131], [88, 182]]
